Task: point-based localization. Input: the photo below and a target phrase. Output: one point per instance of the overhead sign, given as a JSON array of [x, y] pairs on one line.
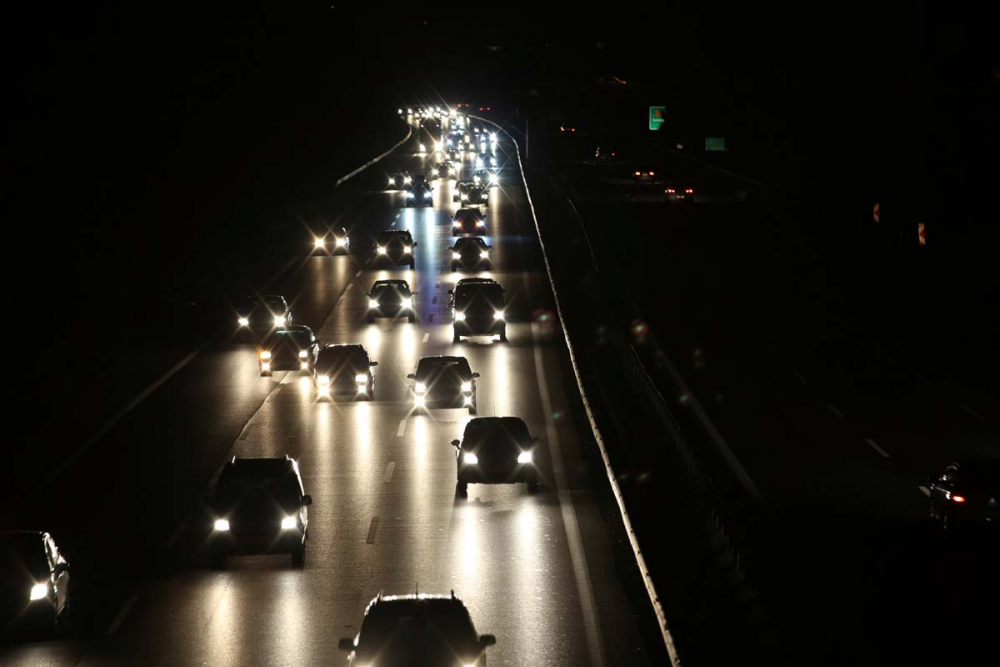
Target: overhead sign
[[715, 144], [656, 117]]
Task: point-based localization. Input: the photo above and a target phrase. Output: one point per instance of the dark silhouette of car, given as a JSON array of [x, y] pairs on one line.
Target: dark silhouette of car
[[262, 313], [677, 192], [496, 450], [394, 247], [966, 494], [478, 309], [444, 382], [468, 221], [418, 629], [259, 507], [644, 177], [399, 180], [345, 370], [34, 585], [293, 348], [391, 298], [335, 241], [470, 252]]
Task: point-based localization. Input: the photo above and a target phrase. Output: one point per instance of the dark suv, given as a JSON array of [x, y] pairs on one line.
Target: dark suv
[[470, 252], [259, 507], [444, 382], [478, 309], [429, 630], [345, 370], [496, 450]]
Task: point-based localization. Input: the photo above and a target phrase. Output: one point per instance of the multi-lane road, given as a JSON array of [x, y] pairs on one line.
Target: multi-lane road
[[536, 570]]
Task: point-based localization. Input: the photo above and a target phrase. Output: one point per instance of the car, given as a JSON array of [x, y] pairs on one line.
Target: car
[[292, 348], [478, 309], [470, 252], [461, 188], [395, 247], [679, 193], [335, 240], [644, 177], [454, 153], [476, 195], [468, 221], [496, 450], [443, 170], [606, 153], [259, 507], [417, 629], [345, 369], [966, 494], [419, 195], [35, 593], [262, 313], [399, 180], [444, 382], [391, 298], [415, 180], [481, 176]]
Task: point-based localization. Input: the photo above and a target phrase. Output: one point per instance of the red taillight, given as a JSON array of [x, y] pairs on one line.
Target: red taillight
[[670, 191], [652, 173], [636, 173], [489, 108], [562, 129], [689, 191], [958, 499], [480, 108], [572, 129]]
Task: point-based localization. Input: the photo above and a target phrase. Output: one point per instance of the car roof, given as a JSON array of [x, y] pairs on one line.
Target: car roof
[[273, 467], [330, 346], [467, 282], [389, 283], [396, 232], [407, 601], [467, 240], [294, 328]]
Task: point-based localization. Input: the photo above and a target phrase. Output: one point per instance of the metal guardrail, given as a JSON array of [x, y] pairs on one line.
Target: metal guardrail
[[650, 587], [344, 179]]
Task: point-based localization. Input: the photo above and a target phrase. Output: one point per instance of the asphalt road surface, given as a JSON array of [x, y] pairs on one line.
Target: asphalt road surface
[[535, 570]]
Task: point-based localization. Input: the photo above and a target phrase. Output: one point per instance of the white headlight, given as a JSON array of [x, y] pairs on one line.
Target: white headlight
[[372, 303], [244, 321], [280, 320], [265, 355], [361, 378], [323, 379], [319, 243], [465, 196], [499, 314], [341, 242], [381, 248], [303, 354], [480, 223], [221, 525], [289, 523], [484, 254], [493, 136], [419, 388], [494, 180], [407, 249], [265, 365], [407, 303], [456, 255], [407, 179], [304, 365], [419, 402], [410, 195], [466, 386], [524, 457], [39, 591], [459, 316], [470, 459]]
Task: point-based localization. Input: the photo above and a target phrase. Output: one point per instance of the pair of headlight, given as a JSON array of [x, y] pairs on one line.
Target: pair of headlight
[[222, 526], [361, 378], [471, 459]]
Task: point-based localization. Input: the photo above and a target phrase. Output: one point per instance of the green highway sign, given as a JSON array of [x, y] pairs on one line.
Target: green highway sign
[[715, 143], [656, 117]]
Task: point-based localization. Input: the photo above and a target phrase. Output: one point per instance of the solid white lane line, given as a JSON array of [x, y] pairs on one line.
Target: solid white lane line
[[972, 412], [426, 337], [578, 556], [834, 410], [246, 432], [372, 531], [884, 454], [799, 378], [402, 428], [358, 274], [177, 535], [122, 613], [389, 467], [924, 490]]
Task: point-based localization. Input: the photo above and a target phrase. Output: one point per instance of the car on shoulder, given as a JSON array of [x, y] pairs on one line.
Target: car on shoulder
[[644, 177], [417, 629], [335, 241], [394, 247], [35, 593], [966, 494], [496, 450], [678, 192], [478, 309], [262, 313], [471, 253], [391, 298], [345, 370], [468, 221], [292, 348], [259, 507], [399, 180], [444, 382]]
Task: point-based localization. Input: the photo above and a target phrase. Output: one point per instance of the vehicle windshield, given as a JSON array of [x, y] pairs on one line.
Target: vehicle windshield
[[343, 357], [299, 339], [419, 632], [479, 296], [432, 368], [469, 243], [395, 289], [273, 304], [389, 237], [494, 434]]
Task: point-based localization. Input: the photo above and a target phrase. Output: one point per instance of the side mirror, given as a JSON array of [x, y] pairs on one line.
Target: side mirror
[[475, 375], [346, 644], [411, 376], [373, 363], [487, 640], [415, 244], [307, 500], [455, 443]]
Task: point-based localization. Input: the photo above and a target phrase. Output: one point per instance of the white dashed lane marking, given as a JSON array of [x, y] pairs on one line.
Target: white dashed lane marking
[[874, 445]]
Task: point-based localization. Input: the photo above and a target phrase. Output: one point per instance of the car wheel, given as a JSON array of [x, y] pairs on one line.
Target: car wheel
[[370, 395], [456, 339], [412, 319], [454, 267], [371, 319], [472, 409], [265, 374], [299, 557], [218, 560], [503, 336], [462, 489], [412, 265]]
